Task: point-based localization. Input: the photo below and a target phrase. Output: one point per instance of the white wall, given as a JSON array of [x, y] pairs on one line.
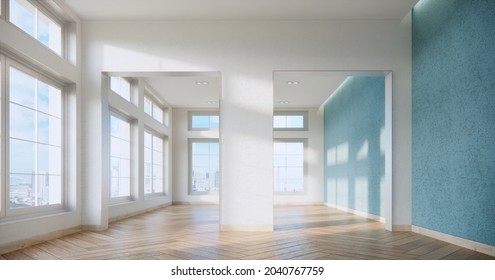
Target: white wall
[[246, 53], [180, 160], [313, 181]]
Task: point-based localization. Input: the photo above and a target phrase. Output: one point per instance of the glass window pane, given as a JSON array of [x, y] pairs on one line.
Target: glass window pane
[[21, 191], [205, 166], [200, 121], [214, 149], [201, 161], [295, 148], [49, 100], [49, 33], [295, 121], [22, 156], [147, 106], [157, 113], [121, 87], [157, 185], [147, 155], [288, 166], [49, 189], [148, 138], [214, 121], [124, 187], [120, 151], [288, 121], [200, 148], [22, 122], [157, 144], [22, 88], [279, 122], [49, 130], [49, 160], [23, 15], [157, 158], [279, 148], [125, 89]]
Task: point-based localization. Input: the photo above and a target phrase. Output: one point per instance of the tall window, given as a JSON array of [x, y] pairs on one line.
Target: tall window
[[152, 109], [120, 157], [153, 163], [121, 86], [35, 141], [290, 120], [288, 165], [204, 120], [39, 25], [205, 166]]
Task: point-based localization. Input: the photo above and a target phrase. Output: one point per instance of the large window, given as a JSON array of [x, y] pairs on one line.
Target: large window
[[120, 157], [205, 166], [35, 141], [153, 163], [288, 165], [38, 24], [290, 120], [204, 120]]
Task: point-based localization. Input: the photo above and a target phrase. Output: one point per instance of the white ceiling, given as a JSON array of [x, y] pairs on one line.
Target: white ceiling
[[181, 90], [311, 90], [239, 9], [184, 92]]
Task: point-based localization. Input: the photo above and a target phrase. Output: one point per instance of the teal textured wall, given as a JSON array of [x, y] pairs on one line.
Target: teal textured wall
[[354, 118], [454, 118]]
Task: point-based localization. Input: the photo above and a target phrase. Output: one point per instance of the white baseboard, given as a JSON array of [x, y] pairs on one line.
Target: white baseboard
[[17, 245], [266, 228], [468, 244], [401, 227], [358, 213], [194, 203], [291, 203], [121, 217]]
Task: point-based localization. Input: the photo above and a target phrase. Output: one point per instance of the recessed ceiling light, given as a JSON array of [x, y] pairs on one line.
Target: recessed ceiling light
[[211, 102], [201, 83], [292, 83], [284, 102]]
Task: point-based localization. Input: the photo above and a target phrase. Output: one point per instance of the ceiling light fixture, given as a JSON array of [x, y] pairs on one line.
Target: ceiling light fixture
[[202, 83], [284, 102], [292, 83]]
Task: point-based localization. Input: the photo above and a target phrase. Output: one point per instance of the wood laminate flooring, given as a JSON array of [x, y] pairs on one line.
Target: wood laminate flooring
[[192, 232]]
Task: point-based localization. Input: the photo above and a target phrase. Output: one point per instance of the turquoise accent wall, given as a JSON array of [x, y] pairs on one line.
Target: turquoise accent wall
[[453, 152], [354, 118]]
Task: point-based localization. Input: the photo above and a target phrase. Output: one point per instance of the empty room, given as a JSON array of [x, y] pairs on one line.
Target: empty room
[[247, 130]]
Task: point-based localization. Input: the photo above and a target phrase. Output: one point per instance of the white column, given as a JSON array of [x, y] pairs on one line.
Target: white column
[[246, 139]]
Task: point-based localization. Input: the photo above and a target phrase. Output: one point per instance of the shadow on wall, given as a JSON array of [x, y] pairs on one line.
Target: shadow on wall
[[354, 127]]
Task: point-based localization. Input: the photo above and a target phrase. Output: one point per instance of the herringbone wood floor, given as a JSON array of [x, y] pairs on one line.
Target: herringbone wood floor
[[191, 232]]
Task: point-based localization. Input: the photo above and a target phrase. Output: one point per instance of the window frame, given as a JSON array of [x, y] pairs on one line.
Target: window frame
[[164, 164], [191, 141], [36, 74], [49, 13], [304, 114], [304, 141], [192, 114], [127, 198]]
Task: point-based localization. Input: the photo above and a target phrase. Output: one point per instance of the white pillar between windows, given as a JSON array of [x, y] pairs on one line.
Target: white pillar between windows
[[246, 139]]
